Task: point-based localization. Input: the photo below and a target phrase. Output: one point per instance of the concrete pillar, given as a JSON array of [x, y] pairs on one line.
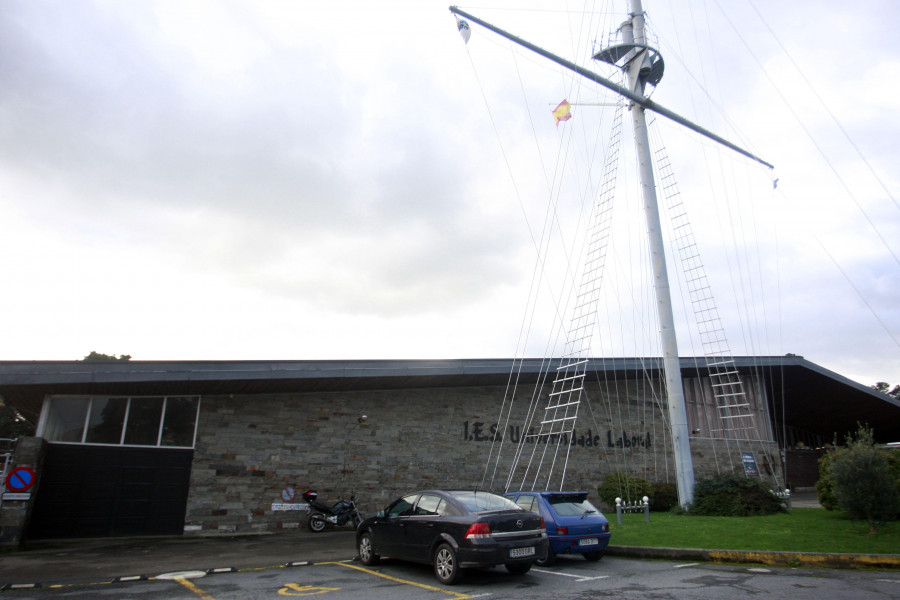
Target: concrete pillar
[[15, 514]]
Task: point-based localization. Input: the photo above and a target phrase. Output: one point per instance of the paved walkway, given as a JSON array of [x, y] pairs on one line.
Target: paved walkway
[[805, 499]]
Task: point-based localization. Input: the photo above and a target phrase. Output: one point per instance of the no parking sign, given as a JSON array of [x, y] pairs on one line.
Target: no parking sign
[[20, 479], [18, 482], [288, 494]]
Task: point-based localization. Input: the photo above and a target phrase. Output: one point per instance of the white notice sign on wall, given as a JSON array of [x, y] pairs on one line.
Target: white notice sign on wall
[[282, 506]]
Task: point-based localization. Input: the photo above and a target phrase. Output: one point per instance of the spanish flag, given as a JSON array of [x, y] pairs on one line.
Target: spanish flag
[[563, 112]]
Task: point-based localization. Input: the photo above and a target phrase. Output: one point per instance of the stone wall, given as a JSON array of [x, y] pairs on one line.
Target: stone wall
[[250, 448]]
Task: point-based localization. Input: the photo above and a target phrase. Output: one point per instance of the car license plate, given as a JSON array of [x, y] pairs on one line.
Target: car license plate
[[520, 552], [587, 541]]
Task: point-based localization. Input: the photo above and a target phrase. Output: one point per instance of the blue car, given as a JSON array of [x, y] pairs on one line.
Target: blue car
[[574, 525]]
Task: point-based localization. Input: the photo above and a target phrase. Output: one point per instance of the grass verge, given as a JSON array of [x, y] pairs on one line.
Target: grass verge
[[801, 530]]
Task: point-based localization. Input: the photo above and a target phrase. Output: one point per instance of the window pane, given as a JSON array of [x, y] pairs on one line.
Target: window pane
[[484, 501], [429, 505], [143, 421], [178, 426], [65, 423], [107, 418], [526, 502], [404, 507], [571, 507]]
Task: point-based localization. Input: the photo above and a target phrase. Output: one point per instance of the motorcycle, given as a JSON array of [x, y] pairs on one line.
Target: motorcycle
[[343, 512]]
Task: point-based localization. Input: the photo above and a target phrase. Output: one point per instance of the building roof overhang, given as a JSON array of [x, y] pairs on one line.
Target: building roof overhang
[[803, 394]]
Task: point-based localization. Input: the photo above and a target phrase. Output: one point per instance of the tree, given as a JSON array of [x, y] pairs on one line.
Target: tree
[[95, 356], [885, 388], [12, 424], [862, 481]]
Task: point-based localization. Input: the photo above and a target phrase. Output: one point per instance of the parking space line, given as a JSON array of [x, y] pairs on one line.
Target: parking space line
[[190, 585], [576, 577], [398, 580]]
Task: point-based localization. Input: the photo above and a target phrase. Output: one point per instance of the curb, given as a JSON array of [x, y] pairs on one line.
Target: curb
[[778, 559], [130, 578]]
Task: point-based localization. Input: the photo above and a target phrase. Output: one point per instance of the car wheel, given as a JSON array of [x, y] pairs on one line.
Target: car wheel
[[316, 522], [593, 556], [519, 568], [366, 549], [446, 567], [551, 558]]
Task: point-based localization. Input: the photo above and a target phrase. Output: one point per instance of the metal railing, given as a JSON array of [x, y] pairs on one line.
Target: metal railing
[[786, 496], [642, 505], [7, 454]]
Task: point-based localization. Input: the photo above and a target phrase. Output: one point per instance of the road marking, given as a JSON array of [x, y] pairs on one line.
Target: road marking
[[305, 590], [21, 586], [555, 573], [190, 585], [686, 565], [577, 577], [398, 580], [888, 580], [182, 575]]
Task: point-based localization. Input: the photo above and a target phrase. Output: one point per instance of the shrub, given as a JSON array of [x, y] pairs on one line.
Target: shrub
[[892, 455], [734, 496], [825, 484], [862, 480], [620, 485], [664, 497]]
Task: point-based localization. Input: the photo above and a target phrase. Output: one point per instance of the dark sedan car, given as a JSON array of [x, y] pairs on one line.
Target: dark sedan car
[[454, 530]]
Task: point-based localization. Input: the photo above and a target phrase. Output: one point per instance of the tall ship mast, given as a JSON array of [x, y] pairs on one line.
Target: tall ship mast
[[643, 66]]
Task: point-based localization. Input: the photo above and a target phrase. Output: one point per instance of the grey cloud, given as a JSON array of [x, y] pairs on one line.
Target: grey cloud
[[274, 183]]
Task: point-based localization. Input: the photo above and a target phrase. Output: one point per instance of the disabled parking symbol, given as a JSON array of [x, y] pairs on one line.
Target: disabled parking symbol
[[295, 589]]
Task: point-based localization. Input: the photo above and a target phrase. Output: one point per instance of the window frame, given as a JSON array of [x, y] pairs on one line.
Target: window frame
[[48, 407]]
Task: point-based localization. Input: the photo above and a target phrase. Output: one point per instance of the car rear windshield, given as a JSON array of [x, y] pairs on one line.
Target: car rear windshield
[[484, 501], [571, 506]]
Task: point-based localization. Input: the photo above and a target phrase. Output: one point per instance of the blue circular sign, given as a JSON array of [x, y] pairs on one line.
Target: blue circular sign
[[20, 479]]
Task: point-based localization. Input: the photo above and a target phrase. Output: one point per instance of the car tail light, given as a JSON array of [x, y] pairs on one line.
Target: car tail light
[[543, 525], [478, 530], [562, 531]]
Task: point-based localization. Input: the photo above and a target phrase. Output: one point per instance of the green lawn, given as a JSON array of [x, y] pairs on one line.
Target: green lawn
[[801, 530]]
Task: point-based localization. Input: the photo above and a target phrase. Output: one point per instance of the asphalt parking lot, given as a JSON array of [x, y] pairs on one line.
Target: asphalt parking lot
[[569, 578], [300, 563]]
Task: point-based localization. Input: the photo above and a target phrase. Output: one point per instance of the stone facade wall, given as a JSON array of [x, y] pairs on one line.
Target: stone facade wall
[[249, 448]]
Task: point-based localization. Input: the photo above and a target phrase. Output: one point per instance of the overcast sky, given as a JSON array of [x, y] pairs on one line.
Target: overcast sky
[[341, 180]]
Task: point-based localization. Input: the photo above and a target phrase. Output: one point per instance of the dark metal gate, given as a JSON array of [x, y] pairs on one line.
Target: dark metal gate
[[802, 467], [102, 491]]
